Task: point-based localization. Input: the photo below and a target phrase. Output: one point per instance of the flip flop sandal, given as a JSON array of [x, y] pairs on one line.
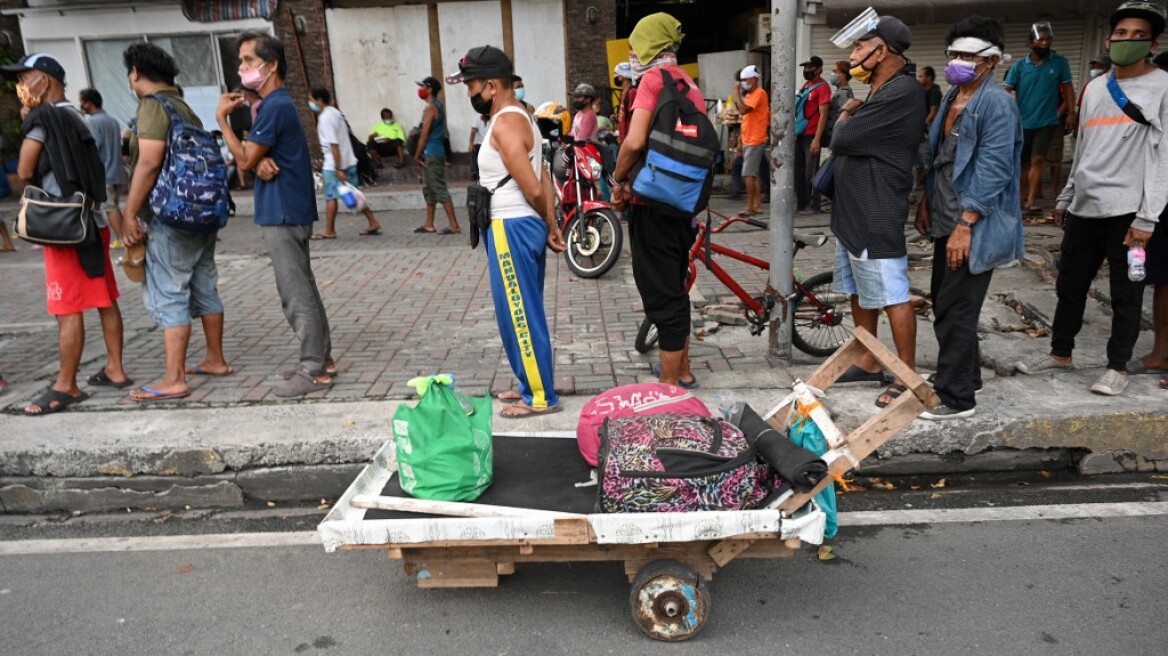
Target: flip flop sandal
[[321, 236], [448, 231], [1137, 366], [893, 392], [509, 395], [45, 402], [529, 411], [370, 233], [690, 384], [155, 395], [199, 371], [855, 374], [102, 379], [422, 230]]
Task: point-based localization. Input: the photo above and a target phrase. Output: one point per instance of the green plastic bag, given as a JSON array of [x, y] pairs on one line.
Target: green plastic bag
[[444, 453]]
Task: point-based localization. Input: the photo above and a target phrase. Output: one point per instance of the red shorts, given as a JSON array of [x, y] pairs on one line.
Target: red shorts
[[68, 290]]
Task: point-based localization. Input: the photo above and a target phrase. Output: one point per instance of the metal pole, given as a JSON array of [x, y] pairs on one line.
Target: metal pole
[[784, 24]]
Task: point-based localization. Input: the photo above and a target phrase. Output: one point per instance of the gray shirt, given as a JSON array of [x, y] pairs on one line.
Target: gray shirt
[[944, 206], [49, 180], [108, 135]]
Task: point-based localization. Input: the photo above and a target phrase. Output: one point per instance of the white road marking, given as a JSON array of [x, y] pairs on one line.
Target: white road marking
[[861, 518]]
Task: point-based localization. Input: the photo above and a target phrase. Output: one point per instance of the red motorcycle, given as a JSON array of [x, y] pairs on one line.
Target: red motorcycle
[[590, 225]]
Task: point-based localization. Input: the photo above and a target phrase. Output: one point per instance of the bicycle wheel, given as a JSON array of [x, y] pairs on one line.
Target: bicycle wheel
[[646, 336], [822, 318], [594, 243]]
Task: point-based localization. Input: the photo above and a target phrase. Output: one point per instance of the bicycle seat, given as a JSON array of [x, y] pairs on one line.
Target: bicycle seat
[[813, 240]]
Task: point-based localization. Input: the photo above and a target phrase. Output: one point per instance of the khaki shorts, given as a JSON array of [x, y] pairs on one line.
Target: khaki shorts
[[434, 181], [113, 199]]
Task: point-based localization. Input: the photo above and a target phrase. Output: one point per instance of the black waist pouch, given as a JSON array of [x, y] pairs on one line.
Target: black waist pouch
[[478, 208]]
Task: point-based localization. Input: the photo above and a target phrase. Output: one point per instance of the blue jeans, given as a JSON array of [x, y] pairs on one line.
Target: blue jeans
[[182, 281]]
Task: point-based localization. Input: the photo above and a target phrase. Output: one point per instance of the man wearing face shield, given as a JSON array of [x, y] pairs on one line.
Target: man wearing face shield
[[1114, 198], [523, 225], [875, 143], [1042, 84], [970, 207]]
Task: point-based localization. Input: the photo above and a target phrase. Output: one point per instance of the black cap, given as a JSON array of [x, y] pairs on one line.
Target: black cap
[[813, 61], [432, 82], [483, 63], [892, 31], [37, 62]]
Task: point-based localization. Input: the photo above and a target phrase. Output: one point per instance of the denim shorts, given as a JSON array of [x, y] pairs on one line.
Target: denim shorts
[[331, 181], [879, 283], [182, 281]]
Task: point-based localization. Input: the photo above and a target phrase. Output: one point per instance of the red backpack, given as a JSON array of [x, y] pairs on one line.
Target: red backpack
[[631, 401]]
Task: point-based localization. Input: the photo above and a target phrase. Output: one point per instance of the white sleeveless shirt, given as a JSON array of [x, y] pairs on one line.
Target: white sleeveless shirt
[[508, 202]]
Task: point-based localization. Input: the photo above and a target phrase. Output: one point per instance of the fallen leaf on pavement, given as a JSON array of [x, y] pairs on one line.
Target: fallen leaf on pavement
[[915, 487], [826, 553], [935, 495], [939, 484], [184, 569], [1045, 474], [271, 504], [350, 422]]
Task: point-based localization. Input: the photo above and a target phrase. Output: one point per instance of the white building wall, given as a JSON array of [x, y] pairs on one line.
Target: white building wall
[[465, 25], [539, 49]]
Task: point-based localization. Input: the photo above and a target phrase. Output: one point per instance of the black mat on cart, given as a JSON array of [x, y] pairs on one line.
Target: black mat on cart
[[530, 472]]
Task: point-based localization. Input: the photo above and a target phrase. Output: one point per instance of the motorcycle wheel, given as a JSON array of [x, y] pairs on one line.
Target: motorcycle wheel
[[594, 243]]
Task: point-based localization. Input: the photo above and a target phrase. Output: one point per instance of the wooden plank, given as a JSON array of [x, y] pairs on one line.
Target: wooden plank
[[451, 508], [825, 376], [437, 574], [727, 550], [435, 42], [505, 569], [508, 29], [887, 359], [690, 552]]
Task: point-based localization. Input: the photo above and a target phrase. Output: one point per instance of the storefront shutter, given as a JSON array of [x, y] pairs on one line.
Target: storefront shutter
[[213, 11]]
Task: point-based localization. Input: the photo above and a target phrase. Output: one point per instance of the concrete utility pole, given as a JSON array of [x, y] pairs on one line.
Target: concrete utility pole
[[784, 24]]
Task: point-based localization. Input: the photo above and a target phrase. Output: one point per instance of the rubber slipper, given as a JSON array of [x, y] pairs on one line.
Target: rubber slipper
[[529, 411], [422, 230], [154, 395], [509, 395], [893, 392], [320, 235], [199, 371], [690, 384], [855, 374], [330, 368], [45, 402], [102, 379], [370, 233], [1164, 384], [1137, 366], [448, 231]]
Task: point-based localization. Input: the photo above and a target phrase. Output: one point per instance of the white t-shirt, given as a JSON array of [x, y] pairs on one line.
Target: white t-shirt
[[332, 129], [480, 127]]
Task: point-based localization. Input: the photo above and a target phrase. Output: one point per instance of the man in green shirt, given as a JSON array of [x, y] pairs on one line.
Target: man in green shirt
[[387, 137]]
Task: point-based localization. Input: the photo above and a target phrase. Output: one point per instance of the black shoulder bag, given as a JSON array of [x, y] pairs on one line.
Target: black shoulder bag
[[478, 208]]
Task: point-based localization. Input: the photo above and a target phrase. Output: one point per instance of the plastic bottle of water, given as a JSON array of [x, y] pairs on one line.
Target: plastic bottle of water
[[347, 195], [1135, 263]]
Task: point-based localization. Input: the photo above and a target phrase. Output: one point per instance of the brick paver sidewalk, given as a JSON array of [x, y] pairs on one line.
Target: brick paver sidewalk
[[400, 305]]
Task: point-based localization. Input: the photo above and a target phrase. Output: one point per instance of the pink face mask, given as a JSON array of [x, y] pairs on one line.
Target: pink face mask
[[252, 78]]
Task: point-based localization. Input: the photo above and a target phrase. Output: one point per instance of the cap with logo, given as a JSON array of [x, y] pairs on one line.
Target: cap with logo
[[483, 63], [37, 62], [891, 31], [814, 60], [750, 72]]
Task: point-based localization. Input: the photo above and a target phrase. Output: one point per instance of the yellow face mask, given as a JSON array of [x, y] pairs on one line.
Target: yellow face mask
[[861, 74], [28, 97]]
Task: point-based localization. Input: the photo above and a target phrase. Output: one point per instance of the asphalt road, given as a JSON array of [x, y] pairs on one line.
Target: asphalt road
[[902, 584]]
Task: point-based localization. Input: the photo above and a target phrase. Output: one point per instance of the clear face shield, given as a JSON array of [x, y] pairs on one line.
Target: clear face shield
[[1040, 29]]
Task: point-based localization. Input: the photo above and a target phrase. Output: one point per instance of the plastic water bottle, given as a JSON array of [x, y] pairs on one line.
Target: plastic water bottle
[[463, 399], [1135, 263], [347, 195]]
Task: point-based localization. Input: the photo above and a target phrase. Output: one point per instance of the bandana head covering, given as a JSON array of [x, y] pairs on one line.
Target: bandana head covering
[[654, 33]]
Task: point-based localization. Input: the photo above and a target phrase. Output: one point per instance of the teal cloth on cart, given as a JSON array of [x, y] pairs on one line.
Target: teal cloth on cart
[[807, 435]]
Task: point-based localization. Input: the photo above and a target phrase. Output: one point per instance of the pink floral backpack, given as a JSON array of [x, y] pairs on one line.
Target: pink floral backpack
[[637, 400]]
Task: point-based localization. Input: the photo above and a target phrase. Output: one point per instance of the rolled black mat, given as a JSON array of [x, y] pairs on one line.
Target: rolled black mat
[[796, 465]]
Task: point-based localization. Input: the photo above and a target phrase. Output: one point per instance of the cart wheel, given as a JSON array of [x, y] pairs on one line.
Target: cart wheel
[[669, 601]]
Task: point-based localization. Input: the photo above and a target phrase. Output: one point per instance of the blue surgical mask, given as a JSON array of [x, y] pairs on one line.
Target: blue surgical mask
[[1095, 72], [745, 86], [519, 94], [314, 107]]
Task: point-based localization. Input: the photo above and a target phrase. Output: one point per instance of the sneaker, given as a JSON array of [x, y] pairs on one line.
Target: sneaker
[[1111, 383], [943, 412], [1040, 363], [932, 380]]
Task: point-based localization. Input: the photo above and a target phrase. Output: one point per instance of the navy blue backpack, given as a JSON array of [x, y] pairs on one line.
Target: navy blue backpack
[[191, 191]]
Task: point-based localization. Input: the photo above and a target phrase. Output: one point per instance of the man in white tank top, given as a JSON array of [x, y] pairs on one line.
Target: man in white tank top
[[523, 226]]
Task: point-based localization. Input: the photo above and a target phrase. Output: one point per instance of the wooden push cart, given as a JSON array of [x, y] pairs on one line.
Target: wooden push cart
[[668, 557]]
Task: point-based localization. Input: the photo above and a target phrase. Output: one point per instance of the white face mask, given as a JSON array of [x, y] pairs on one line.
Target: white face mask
[[833, 79]]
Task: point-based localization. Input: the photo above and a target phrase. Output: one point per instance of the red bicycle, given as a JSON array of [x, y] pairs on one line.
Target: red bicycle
[[822, 317]]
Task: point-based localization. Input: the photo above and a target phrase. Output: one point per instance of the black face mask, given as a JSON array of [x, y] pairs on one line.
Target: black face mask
[[809, 75], [1041, 53], [480, 104], [616, 82], [579, 104]]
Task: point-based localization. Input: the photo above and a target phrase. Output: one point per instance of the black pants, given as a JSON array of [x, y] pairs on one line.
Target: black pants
[[660, 250], [806, 166], [1086, 244], [474, 162], [958, 295]]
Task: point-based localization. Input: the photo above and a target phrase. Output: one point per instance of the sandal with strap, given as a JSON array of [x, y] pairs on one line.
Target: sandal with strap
[[62, 400], [892, 393]]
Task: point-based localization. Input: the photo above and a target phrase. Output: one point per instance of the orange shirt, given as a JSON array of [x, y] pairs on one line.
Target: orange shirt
[[756, 122]]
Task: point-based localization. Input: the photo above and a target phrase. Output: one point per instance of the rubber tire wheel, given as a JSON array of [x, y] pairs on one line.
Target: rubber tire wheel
[[669, 601], [601, 216], [819, 285], [646, 337]]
